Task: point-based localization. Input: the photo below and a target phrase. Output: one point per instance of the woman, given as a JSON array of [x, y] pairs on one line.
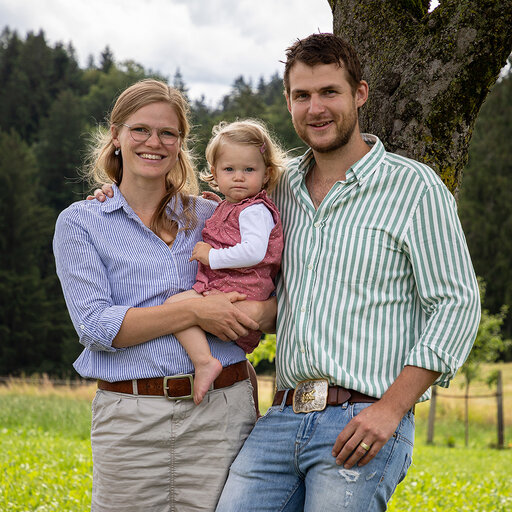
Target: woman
[[118, 262]]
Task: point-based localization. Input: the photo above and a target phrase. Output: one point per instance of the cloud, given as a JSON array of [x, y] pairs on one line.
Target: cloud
[[210, 41]]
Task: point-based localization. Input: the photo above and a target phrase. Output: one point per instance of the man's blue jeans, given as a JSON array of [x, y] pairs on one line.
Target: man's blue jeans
[[286, 465]]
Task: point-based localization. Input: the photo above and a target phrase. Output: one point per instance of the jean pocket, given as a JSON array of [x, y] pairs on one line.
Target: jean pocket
[[405, 430]]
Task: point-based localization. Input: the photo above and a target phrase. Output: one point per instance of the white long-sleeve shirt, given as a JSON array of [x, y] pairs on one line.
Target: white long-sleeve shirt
[[256, 223]]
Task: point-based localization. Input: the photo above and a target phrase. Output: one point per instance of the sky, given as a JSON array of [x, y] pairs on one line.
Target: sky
[[211, 42]]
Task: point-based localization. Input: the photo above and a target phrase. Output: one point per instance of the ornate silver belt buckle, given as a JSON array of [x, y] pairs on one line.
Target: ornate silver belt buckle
[[310, 395]]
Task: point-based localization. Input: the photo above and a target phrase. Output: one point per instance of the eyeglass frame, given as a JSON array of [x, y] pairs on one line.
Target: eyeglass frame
[[150, 133]]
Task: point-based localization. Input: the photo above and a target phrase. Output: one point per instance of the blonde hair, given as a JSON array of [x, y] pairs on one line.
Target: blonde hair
[[103, 166], [247, 131]]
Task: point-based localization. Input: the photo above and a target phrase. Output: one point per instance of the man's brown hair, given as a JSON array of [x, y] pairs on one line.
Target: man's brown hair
[[323, 49]]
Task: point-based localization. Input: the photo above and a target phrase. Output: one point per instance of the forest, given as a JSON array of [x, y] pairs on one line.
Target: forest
[[49, 106]]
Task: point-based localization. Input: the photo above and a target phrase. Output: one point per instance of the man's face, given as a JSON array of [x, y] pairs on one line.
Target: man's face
[[323, 105]]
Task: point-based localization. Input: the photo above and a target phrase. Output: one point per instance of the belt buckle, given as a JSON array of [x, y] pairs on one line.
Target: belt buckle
[[183, 397], [310, 395]]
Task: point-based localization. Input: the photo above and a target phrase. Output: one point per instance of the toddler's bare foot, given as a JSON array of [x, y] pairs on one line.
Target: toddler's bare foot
[[204, 376]]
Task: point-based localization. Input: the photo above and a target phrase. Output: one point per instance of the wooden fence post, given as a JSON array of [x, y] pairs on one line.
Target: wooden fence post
[[432, 416], [501, 422]]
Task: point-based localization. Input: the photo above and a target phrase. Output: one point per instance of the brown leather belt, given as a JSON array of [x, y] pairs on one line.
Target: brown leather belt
[[175, 386], [336, 395]]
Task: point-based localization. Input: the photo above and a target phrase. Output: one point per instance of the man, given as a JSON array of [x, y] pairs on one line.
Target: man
[[377, 301]]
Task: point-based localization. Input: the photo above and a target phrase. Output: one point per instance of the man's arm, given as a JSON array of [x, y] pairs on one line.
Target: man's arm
[[375, 425], [446, 285]]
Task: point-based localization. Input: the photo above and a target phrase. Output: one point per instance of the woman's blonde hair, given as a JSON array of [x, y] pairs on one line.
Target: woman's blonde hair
[[246, 131], [104, 166]]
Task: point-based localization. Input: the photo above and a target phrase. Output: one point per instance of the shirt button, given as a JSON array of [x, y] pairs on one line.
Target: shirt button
[[303, 309], [310, 266], [303, 350], [318, 224], [82, 327]]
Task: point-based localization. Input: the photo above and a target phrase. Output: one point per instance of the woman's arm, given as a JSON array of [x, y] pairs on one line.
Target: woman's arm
[[216, 314], [103, 325]]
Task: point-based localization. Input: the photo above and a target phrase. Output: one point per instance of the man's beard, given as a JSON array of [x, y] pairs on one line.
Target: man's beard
[[343, 136]]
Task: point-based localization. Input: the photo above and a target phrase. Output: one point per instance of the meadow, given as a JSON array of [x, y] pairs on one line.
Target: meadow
[[45, 456]]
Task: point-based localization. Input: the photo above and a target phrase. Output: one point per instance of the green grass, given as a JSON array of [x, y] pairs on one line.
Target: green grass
[[43, 472], [45, 455], [56, 415], [456, 479], [45, 461]]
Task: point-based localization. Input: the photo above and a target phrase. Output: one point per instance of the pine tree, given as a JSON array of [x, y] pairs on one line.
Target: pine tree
[[106, 60], [486, 198], [179, 84], [60, 151], [27, 227]]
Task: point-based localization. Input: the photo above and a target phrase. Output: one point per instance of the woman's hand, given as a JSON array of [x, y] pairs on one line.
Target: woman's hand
[[217, 314], [102, 193], [201, 252]]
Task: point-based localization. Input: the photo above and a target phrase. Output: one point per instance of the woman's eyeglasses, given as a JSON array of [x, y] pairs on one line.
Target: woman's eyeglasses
[[141, 133]]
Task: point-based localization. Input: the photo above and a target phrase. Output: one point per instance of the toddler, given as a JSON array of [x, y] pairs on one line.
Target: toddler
[[243, 240]]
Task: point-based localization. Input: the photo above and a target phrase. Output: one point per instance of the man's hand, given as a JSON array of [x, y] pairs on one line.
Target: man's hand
[[211, 195], [200, 253], [102, 193], [372, 427], [217, 314], [363, 437]]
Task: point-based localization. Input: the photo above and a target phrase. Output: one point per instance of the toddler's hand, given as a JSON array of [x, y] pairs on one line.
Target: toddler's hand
[[200, 253]]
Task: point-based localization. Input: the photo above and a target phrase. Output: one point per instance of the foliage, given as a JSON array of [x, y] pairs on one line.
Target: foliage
[[52, 104], [486, 198], [488, 343], [265, 351], [26, 229]]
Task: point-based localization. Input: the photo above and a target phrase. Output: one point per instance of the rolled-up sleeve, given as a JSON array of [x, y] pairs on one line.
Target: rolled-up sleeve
[[446, 284], [85, 284]]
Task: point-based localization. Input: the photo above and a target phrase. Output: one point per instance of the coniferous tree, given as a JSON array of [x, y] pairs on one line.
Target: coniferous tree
[[486, 198], [242, 102], [26, 229], [60, 151], [106, 60], [179, 84]]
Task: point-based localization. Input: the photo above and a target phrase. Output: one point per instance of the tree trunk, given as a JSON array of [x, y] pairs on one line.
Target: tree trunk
[[429, 73]]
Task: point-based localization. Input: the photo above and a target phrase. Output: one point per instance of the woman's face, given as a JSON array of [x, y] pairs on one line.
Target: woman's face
[[154, 158]]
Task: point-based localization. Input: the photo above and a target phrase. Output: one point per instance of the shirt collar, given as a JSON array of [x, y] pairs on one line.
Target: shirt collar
[[362, 169], [174, 207]]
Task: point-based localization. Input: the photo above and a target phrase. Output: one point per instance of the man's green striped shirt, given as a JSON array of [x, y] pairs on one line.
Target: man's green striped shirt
[[377, 278]]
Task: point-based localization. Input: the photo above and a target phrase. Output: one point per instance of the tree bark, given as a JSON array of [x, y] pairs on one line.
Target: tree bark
[[428, 73]]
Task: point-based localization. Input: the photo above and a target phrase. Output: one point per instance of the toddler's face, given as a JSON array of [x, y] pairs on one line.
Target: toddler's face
[[240, 171]]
